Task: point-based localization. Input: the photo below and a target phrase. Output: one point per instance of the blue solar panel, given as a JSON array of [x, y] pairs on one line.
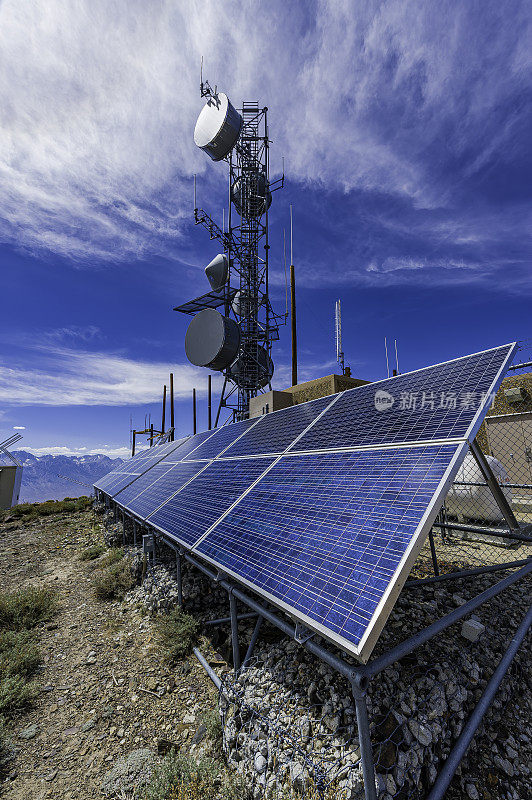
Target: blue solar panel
[[223, 437], [437, 402], [141, 483], [114, 482], [190, 513], [276, 431], [163, 481], [189, 447], [121, 469], [328, 536], [324, 534]]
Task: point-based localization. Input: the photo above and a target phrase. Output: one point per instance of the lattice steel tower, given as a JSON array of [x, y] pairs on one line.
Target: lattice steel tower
[[238, 342]]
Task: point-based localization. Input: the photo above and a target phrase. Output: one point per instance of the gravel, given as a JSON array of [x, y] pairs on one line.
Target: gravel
[[290, 718]]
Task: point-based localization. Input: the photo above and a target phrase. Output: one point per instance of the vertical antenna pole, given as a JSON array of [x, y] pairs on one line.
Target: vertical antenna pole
[[209, 402], [172, 414], [133, 447], [194, 410], [387, 364], [163, 421], [285, 276], [293, 304], [396, 358], [338, 326]]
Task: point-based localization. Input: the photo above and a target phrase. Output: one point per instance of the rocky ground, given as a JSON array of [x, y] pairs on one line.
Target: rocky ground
[[105, 692], [291, 719], [104, 689]]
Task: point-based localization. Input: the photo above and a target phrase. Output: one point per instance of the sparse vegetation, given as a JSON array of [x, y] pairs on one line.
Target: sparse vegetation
[[29, 511], [114, 577], [92, 552], [181, 777], [212, 721], [19, 655], [112, 556], [177, 633], [26, 608]]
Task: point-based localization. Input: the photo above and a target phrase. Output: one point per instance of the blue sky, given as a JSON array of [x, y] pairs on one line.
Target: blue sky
[[405, 129]]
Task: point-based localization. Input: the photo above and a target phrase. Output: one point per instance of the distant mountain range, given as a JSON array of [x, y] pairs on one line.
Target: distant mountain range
[[56, 477]]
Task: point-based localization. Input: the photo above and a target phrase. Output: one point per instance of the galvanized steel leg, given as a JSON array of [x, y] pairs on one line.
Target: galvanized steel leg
[[234, 632], [433, 554], [179, 578], [493, 483], [253, 642], [134, 533], [464, 740], [366, 751]]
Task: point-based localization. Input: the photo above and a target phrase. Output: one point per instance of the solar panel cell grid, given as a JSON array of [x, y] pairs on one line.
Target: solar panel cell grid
[[170, 479], [324, 534], [438, 402], [189, 446], [190, 513], [276, 431], [328, 536], [141, 483], [130, 471], [223, 437]]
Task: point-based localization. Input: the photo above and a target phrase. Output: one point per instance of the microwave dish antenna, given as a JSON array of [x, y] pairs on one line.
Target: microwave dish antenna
[[218, 127]]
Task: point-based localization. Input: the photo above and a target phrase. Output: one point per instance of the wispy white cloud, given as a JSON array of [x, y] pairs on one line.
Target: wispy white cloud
[[99, 102], [67, 377], [76, 333], [19, 427]]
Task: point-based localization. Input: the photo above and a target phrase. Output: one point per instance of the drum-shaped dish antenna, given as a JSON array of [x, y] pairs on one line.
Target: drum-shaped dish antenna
[[212, 340], [218, 127]]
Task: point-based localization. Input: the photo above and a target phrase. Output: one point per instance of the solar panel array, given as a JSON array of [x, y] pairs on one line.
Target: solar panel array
[[323, 507]]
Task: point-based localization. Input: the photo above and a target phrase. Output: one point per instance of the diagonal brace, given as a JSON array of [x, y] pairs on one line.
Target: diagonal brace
[[493, 483]]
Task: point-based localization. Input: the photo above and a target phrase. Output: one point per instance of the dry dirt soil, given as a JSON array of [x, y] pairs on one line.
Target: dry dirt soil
[[103, 687]]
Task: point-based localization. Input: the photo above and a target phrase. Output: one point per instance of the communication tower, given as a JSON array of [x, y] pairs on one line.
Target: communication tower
[[234, 325]]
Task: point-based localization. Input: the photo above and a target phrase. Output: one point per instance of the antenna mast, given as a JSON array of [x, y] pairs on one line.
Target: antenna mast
[[338, 335]]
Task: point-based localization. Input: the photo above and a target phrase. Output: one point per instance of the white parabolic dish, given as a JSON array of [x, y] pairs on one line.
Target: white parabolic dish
[[218, 127]]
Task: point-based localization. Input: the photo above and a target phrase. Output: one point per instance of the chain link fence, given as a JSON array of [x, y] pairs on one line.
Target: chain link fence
[[470, 530], [289, 721]]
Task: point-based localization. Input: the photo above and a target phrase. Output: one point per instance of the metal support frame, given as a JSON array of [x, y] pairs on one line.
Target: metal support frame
[[253, 642], [234, 632], [465, 573], [509, 534], [360, 675], [433, 554], [464, 740], [225, 620], [359, 689], [493, 483]]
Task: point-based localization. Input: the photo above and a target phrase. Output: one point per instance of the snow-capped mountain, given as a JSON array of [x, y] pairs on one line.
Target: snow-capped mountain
[[56, 477]]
